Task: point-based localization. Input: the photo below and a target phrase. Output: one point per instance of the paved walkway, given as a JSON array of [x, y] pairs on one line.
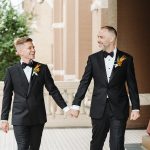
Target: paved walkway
[[67, 139]]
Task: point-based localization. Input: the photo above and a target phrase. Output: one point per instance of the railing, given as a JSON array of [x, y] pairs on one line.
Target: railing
[[56, 116]]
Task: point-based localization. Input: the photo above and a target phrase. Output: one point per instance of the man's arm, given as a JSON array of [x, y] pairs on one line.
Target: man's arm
[[133, 90], [6, 103], [84, 83], [53, 90], [7, 96]]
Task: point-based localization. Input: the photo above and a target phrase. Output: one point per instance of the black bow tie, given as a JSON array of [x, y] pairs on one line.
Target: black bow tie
[[30, 64], [106, 54]]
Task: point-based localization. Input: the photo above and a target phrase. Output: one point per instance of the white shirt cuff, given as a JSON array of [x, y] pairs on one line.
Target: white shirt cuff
[[75, 107], [135, 110], [4, 121], [65, 109]]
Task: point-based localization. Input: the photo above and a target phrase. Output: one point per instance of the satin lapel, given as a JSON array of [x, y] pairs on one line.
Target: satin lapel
[[32, 80], [114, 70], [102, 65], [23, 77], [29, 88]]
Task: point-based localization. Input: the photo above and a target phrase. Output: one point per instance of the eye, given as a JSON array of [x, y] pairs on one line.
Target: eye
[[31, 47]]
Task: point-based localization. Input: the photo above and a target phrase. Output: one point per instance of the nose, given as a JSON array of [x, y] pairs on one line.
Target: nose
[[98, 37], [33, 49], [98, 41]]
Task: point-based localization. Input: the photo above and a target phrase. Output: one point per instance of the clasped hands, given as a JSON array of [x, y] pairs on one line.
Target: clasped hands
[[73, 113]]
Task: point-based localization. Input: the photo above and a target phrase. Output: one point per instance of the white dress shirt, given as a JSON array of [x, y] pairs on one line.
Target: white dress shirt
[[27, 70], [109, 63]]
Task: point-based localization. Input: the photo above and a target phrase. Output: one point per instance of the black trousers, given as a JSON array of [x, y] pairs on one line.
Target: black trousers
[[28, 137], [100, 128]]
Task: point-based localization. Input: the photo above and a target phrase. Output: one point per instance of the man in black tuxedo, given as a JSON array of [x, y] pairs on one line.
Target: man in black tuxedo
[[110, 69], [27, 79]]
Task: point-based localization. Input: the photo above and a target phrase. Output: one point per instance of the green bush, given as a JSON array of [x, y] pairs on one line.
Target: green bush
[[12, 25]]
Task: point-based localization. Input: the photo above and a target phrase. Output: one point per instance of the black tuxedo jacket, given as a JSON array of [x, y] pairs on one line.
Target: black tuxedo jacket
[[115, 89], [28, 105]]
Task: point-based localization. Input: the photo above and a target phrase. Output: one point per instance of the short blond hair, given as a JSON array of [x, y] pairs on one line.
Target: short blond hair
[[21, 40]]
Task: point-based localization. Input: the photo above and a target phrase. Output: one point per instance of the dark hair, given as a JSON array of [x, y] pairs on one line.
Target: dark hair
[[22, 40], [110, 29]]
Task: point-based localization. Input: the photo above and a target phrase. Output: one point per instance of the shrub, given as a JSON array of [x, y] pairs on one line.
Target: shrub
[[12, 25]]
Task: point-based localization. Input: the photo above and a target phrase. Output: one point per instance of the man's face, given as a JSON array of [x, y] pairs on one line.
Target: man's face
[[27, 51], [104, 39]]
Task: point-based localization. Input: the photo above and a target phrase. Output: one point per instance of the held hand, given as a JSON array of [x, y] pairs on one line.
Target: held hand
[[68, 113], [134, 115], [5, 126], [75, 113]]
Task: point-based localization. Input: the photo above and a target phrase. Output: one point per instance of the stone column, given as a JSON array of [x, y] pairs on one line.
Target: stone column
[[41, 31], [69, 39], [96, 24], [83, 36], [58, 40], [104, 12], [112, 13]]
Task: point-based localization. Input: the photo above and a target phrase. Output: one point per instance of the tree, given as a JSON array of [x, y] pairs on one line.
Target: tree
[[12, 25]]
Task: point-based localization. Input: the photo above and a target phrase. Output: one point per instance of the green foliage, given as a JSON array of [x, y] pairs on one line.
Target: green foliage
[[12, 25]]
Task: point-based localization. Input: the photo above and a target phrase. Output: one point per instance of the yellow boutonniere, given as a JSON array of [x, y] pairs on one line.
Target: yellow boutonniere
[[36, 69], [120, 61]]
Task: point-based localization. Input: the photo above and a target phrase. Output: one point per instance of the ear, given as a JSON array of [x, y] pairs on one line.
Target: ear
[[112, 39], [18, 52]]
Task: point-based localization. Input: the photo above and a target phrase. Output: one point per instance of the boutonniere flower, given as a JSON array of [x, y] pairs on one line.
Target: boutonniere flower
[[36, 70], [120, 61]]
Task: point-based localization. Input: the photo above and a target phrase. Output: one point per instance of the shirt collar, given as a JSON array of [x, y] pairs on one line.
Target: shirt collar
[[115, 52], [21, 61]]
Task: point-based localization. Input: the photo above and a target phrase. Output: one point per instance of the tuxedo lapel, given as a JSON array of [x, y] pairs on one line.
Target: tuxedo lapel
[[114, 70], [22, 77], [32, 79], [102, 65], [27, 85]]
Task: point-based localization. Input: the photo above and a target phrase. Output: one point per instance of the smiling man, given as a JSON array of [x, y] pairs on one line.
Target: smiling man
[[26, 80], [110, 69]]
